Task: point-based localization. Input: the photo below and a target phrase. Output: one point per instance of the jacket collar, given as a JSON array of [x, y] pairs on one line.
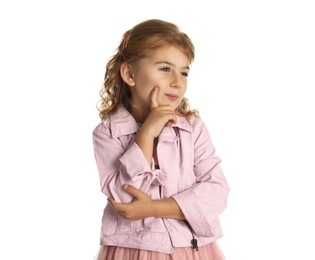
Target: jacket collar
[[123, 123]]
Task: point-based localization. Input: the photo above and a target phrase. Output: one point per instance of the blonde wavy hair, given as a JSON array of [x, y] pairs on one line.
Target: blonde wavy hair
[[135, 44]]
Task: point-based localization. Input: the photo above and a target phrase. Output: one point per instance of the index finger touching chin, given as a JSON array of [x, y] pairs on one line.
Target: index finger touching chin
[[154, 96]]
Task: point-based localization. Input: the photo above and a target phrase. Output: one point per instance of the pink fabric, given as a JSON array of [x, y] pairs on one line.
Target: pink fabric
[[207, 252], [189, 171]]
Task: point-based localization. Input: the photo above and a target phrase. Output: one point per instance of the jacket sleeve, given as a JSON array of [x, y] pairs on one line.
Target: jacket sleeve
[[120, 161], [207, 198]]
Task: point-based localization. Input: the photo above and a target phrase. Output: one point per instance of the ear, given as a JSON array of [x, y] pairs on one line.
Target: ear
[[126, 73]]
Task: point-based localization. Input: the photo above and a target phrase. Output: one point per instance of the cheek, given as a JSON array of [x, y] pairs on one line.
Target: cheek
[[145, 93], [144, 85], [183, 90]]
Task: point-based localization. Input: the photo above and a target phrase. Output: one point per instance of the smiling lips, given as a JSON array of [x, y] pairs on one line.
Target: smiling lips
[[172, 96]]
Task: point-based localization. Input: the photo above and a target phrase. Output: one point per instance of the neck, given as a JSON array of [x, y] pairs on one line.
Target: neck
[[139, 115]]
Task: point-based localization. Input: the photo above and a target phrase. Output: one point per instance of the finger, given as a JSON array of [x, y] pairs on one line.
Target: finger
[[171, 119], [111, 201], [118, 207], [132, 190], [154, 95], [169, 123]]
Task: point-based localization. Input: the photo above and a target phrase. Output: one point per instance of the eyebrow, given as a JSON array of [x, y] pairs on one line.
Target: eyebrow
[[171, 64]]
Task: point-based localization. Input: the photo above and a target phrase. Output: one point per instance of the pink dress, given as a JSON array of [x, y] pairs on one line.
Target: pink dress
[[211, 251]]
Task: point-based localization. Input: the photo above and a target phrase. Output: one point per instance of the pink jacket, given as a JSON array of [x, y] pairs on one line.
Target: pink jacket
[[189, 172]]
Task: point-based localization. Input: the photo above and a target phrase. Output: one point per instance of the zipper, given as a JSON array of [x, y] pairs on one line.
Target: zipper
[[194, 241]]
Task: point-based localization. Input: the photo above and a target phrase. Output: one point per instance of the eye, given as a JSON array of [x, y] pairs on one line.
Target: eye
[[185, 74], [166, 69]]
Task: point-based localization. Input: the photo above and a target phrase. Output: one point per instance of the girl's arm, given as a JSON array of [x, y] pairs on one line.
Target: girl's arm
[[119, 163], [143, 206], [205, 200], [145, 143], [118, 167]]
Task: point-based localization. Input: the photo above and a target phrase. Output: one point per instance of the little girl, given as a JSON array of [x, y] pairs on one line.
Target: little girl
[[156, 161]]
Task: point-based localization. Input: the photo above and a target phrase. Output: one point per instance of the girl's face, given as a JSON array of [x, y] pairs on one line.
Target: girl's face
[[167, 68]]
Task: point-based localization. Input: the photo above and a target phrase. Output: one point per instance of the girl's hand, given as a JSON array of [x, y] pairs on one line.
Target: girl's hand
[[141, 207], [159, 116]]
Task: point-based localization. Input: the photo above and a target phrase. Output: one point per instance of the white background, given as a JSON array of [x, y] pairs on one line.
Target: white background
[[252, 80]]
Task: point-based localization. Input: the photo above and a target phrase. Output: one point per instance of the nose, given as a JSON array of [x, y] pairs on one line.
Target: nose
[[175, 83]]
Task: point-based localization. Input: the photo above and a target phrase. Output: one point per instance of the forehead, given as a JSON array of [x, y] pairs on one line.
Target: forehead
[[169, 54]]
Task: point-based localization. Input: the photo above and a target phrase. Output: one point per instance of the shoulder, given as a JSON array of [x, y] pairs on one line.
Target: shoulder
[[120, 123], [194, 126], [102, 129], [194, 122], [102, 125], [200, 131]]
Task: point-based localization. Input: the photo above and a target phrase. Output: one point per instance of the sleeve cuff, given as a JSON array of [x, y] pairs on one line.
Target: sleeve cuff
[[135, 163], [187, 201]]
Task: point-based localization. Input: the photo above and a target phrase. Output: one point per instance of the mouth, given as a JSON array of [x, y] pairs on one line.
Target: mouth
[[172, 96]]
